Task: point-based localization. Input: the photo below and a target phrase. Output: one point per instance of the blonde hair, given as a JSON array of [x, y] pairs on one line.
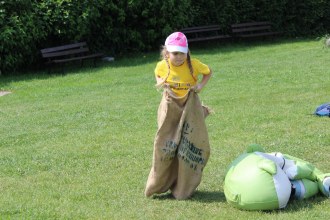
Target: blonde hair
[[164, 56]]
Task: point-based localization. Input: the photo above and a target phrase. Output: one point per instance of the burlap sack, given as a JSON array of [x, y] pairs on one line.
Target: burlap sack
[[181, 147]]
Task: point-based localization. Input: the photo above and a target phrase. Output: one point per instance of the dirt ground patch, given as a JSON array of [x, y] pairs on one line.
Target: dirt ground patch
[[2, 93]]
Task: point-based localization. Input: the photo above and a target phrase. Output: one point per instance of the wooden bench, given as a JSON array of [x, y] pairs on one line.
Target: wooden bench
[[67, 53], [253, 29], [204, 33]]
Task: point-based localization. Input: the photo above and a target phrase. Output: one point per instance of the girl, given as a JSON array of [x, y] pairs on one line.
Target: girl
[[177, 70], [181, 147]]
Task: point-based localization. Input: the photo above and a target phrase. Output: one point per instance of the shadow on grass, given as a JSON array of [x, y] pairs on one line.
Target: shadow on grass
[[164, 196], [298, 205], [136, 59], [52, 71], [209, 197], [199, 196], [217, 196]]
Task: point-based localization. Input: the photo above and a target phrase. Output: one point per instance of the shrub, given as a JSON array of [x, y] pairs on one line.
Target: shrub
[[117, 27], [20, 29]]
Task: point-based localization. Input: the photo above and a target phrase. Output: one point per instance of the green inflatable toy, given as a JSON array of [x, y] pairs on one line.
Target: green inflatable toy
[[265, 181]]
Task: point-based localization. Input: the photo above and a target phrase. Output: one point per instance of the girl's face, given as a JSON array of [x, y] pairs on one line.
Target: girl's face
[[177, 58]]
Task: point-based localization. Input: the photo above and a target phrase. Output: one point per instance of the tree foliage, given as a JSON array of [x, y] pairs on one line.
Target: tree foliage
[[119, 26]]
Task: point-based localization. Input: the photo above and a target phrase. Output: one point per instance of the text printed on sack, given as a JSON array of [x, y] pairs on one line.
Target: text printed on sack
[[186, 150]]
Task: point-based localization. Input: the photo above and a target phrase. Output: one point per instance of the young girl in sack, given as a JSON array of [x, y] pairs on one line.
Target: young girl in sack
[[181, 145]]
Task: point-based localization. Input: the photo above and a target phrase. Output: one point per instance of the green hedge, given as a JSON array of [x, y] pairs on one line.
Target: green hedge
[[117, 27], [20, 32]]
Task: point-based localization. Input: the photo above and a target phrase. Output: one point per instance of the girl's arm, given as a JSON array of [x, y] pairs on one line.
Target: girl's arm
[[160, 82], [203, 82]]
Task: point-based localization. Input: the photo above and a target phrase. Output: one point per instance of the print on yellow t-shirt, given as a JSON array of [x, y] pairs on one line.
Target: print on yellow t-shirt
[[180, 78]]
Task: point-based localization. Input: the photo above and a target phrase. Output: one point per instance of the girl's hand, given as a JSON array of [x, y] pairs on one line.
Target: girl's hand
[[197, 88], [166, 85], [204, 81], [162, 85]]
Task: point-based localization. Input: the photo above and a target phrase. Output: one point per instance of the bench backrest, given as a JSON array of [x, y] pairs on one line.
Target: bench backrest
[[200, 29], [251, 26], [64, 50]]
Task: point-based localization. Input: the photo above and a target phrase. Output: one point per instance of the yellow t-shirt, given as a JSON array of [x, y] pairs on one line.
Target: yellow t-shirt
[[180, 78]]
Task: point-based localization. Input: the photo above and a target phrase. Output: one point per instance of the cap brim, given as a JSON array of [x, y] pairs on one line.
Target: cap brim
[[171, 48]]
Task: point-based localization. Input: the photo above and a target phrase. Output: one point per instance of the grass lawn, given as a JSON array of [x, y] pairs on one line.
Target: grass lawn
[[79, 145]]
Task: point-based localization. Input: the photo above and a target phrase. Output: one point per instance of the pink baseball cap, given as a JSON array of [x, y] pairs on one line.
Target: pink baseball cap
[[177, 42]]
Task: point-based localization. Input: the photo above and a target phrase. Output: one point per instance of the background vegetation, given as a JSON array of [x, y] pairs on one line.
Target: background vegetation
[[79, 145], [119, 26]]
